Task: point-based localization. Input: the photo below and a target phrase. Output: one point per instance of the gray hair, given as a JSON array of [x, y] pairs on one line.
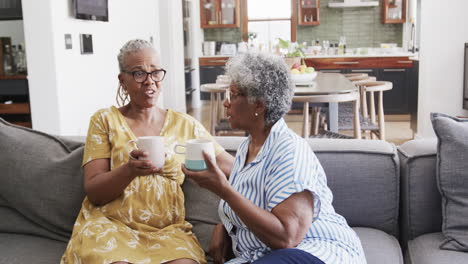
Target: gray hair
[[131, 46], [263, 77]]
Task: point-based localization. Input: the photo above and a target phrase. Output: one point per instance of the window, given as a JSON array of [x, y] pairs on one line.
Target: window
[[269, 19]]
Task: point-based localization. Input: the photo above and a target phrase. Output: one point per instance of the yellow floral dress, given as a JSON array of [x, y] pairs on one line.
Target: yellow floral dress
[[146, 224]]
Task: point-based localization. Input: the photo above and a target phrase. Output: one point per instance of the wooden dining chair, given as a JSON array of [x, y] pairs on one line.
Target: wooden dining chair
[[352, 97], [346, 109]]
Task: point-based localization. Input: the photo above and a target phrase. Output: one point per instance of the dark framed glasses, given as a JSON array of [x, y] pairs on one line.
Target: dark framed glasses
[[141, 76]]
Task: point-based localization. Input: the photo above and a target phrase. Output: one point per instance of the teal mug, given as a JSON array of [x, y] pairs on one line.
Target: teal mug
[[193, 153]]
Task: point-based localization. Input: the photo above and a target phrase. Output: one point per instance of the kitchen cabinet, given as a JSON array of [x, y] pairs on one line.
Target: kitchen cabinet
[[208, 74], [219, 13], [14, 100], [210, 68], [396, 101], [308, 12], [394, 11], [359, 62], [10, 10]]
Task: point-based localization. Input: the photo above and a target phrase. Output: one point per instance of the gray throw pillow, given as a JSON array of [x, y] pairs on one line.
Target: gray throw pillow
[[41, 182], [452, 178]]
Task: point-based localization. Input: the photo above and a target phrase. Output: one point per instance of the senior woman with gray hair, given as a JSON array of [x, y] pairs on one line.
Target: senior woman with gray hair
[[276, 206], [134, 212]]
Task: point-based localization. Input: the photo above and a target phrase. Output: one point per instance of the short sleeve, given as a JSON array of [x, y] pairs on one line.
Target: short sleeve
[[201, 132], [294, 168], [97, 141]]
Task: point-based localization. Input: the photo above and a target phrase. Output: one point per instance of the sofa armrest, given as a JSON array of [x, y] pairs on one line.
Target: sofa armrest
[[420, 198]]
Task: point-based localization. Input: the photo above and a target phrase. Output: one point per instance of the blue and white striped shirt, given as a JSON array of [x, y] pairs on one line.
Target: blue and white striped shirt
[[286, 165]]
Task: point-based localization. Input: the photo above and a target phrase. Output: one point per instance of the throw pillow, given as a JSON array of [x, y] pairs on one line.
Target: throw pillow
[[452, 178], [41, 182]]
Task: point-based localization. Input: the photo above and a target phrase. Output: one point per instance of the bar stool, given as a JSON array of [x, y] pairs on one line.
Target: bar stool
[[224, 79], [216, 90], [363, 100], [379, 88]]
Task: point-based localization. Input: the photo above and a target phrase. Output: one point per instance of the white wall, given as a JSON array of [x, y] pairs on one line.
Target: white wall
[[66, 87], [443, 34], [172, 53], [40, 54], [13, 29]]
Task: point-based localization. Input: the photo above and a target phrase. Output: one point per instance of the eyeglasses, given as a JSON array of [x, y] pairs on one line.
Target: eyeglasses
[[141, 76], [232, 95]]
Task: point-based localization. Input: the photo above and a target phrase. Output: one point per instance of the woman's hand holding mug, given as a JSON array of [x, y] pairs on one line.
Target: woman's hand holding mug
[[212, 178], [149, 156]]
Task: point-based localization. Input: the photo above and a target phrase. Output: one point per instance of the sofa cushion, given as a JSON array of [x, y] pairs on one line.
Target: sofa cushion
[[425, 250], [201, 211], [364, 176], [379, 247], [41, 182], [452, 178], [16, 248]]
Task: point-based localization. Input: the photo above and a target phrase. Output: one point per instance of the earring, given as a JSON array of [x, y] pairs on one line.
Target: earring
[[256, 114], [124, 91]]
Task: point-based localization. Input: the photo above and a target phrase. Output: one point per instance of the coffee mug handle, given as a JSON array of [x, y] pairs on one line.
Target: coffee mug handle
[[179, 145], [128, 151]]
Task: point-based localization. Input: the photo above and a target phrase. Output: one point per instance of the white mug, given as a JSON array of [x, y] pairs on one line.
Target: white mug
[[154, 145], [193, 153]]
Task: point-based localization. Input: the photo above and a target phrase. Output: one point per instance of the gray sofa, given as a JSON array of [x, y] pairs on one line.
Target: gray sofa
[[41, 192], [421, 210]]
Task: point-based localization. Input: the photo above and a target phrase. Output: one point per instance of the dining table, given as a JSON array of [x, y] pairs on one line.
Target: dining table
[[329, 88]]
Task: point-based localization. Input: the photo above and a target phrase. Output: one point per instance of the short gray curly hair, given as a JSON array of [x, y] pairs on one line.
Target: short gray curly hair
[[264, 77], [131, 46]]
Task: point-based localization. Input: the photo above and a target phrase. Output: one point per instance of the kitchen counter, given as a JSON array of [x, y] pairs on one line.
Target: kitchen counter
[[320, 56]]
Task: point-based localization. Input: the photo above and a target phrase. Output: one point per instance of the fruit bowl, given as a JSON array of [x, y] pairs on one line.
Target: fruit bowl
[[304, 77]]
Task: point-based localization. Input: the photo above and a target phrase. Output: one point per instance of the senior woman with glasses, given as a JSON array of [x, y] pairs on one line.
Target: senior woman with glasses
[[134, 212], [276, 206]]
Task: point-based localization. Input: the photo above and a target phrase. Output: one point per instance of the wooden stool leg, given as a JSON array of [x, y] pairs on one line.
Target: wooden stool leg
[[357, 124], [373, 117], [213, 112], [315, 120], [222, 110], [305, 121], [323, 123], [372, 108], [381, 116], [363, 101]]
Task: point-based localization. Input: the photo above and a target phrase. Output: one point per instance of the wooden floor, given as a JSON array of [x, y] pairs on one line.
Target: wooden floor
[[397, 126]]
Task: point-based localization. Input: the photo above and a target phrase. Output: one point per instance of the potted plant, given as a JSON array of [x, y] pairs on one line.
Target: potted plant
[[293, 53]]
